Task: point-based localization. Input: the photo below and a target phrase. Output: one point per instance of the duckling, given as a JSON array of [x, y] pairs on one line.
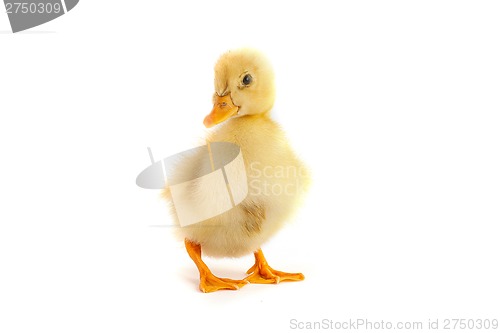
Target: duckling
[[277, 179]]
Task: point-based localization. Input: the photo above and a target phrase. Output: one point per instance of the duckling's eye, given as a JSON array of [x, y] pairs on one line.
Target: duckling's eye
[[247, 79]]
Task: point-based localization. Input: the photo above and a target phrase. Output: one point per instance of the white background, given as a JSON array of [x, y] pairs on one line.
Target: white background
[[394, 106]]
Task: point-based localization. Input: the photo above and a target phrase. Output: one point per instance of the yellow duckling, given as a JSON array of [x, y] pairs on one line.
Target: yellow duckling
[[244, 96]]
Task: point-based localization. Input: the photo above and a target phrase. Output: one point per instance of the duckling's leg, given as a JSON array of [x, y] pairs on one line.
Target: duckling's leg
[[261, 272], [208, 281]]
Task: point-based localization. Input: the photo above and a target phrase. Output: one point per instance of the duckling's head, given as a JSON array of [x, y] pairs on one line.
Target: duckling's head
[[244, 86]]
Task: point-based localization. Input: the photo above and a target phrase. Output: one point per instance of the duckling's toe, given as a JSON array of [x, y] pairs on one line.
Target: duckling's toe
[[211, 283], [264, 274]]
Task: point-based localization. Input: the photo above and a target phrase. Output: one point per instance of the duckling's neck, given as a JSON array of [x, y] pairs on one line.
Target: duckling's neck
[[253, 117], [247, 129], [254, 121]]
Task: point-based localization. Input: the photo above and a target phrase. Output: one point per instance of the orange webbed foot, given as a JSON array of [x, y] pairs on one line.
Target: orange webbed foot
[[262, 273], [210, 283]]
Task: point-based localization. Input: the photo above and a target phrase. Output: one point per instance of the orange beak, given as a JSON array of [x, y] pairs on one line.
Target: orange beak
[[223, 110]]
